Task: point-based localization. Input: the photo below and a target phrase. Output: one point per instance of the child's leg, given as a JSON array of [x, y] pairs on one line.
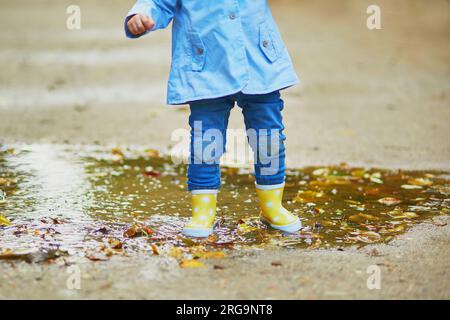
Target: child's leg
[[264, 124], [208, 122]]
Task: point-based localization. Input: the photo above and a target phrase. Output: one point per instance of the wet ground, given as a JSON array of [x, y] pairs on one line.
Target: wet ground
[[96, 203], [370, 98]]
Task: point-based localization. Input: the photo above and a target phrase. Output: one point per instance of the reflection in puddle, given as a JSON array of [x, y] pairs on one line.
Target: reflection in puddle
[[97, 203], [51, 181]]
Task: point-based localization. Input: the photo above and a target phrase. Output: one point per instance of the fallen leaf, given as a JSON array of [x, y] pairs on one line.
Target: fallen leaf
[[328, 223], [4, 221], [399, 214], [131, 232], [217, 267], [352, 202], [154, 249], [212, 238], [316, 244], [389, 201], [411, 186], [420, 182], [191, 264], [362, 217], [138, 231], [188, 242], [243, 227], [152, 153], [409, 214], [176, 253], [56, 221], [396, 229], [226, 245], [359, 173], [109, 253], [213, 255], [115, 243], [5, 182], [152, 173], [376, 180], [97, 257], [147, 230], [369, 237], [117, 152]]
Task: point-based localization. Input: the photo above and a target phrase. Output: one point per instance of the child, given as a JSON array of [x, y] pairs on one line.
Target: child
[[225, 52]]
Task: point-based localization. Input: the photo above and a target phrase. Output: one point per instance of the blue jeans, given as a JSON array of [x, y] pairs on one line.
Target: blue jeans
[[264, 126]]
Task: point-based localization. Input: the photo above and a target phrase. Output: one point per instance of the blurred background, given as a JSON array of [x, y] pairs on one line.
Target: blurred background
[[371, 97]]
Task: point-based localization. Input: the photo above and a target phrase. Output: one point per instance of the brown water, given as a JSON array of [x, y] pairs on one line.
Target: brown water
[[78, 201]]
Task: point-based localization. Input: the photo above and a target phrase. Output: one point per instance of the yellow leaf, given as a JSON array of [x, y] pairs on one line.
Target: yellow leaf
[[176, 253], [5, 182], [153, 153], [362, 217], [420, 182], [117, 152], [353, 202], [4, 221], [115, 243], [191, 264], [398, 228], [327, 223], [358, 173], [245, 228], [399, 214], [214, 255], [411, 214], [307, 196], [369, 237], [118, 155]]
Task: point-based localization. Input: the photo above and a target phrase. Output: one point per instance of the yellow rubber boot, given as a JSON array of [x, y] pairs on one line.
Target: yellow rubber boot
[[272, 211], [203, 214]]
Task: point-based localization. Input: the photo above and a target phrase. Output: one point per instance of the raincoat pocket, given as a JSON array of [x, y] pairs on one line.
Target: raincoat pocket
[[268, 43], [198, 51]]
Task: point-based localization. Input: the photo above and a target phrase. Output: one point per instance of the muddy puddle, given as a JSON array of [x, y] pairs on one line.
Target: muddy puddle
[[96, 203]]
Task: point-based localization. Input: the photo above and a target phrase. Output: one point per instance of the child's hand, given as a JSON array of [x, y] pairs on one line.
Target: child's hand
[[139, 24]]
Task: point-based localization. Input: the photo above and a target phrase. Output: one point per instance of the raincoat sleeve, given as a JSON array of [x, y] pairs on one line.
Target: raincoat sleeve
[[161, 11]]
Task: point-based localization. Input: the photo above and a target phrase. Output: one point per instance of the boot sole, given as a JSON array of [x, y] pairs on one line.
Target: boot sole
[[197, 233], [289, 228]]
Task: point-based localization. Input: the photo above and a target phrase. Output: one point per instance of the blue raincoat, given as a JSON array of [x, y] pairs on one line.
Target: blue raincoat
[[220, 47]]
